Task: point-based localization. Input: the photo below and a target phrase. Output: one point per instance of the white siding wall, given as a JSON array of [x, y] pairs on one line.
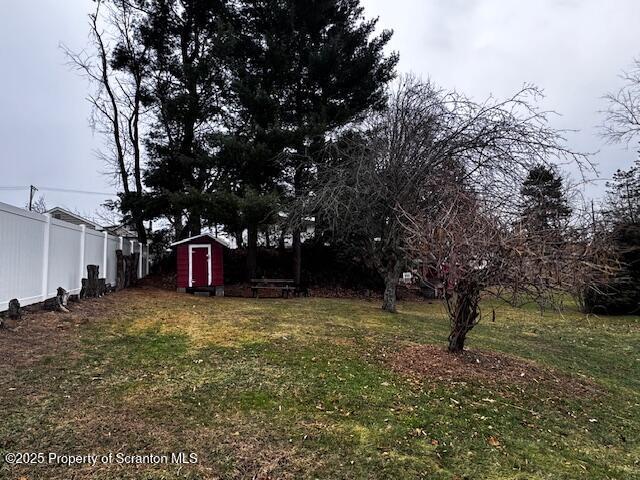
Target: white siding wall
[[39, 254]]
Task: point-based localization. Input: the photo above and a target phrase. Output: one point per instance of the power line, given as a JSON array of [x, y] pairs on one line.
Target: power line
[[54, 189], [69, 190]]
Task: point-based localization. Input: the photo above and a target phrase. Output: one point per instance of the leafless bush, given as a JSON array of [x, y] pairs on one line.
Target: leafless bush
[[477, 250]]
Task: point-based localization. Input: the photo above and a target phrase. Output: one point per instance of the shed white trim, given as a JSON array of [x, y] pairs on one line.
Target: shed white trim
[[211, 236], [209, 261]]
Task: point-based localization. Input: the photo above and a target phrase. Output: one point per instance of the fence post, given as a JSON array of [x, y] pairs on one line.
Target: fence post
[[45, 256], [104, 255], [140, 260], [83, 230]]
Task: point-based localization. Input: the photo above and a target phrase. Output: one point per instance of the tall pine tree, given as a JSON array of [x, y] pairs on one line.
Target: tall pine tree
[[306, 68], [188, 41]]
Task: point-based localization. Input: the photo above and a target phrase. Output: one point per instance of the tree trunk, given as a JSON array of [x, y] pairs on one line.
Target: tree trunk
[[194, 225], [252, 251], [464, 314], [297, 257], [238, 236], [390, 285], [120, 270], [267, 236], [141, 231], [133, 271], [296, 240]]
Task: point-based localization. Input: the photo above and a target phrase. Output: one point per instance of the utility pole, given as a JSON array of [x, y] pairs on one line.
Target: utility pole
[[32, 192]]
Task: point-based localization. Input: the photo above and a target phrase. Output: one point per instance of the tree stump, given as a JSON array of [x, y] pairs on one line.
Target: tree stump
[[90, 287], [133, 270], [14, 312], [83, 289], [127, 271]]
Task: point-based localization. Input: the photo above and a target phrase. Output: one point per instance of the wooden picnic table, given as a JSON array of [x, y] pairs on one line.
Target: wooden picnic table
[[285, 285]]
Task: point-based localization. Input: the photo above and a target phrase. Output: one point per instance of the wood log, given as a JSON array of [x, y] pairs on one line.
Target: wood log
[[63, 295], [120, 270], [56, 304], [59, 302]]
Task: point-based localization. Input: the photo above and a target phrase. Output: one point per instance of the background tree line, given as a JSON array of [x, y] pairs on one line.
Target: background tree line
[[231, 101]]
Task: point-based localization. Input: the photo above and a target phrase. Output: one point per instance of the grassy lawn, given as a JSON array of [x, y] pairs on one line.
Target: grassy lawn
[[306, 388]]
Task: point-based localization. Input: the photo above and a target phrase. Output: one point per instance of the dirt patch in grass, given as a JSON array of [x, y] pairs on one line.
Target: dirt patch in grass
[[434, 363], [40, 333]]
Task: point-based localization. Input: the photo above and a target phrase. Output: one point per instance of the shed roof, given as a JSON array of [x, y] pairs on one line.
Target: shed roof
[[209, 235]]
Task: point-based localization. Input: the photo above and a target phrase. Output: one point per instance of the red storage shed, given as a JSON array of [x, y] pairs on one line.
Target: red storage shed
[[200, 264]]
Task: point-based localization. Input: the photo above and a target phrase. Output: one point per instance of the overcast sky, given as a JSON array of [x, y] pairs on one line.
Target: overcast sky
[[573, 49]]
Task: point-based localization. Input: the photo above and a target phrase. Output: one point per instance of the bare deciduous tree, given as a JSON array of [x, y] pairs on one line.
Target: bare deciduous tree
[[397, 165], [479, 250], [622, 116], [39, 205], [115, 66]]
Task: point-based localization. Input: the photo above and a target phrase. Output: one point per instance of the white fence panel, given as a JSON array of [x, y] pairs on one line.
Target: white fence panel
[[93, 251], [21, 252], [38, 254], [113, 244], [64, 252]]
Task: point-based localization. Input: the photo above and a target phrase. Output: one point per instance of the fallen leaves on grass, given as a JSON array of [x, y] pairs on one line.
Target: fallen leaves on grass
[[493, 441], [434, 363]]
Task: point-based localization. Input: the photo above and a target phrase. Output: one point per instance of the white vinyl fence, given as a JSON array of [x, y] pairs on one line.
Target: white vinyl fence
[[38, 254]]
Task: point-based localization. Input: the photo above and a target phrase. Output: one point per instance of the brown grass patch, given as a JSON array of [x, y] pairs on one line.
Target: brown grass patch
[[40, 333], [434, 363]]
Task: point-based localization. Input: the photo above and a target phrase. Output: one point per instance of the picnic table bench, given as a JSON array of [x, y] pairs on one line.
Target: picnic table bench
[[285, 285]]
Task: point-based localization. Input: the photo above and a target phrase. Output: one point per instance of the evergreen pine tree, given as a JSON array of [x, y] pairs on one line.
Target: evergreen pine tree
[[187, 41], [544, 206], [623, 196], [304, 68], [622, 212]]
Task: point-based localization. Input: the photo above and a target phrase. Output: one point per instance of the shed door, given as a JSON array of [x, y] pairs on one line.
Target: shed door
[[199, 266]]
